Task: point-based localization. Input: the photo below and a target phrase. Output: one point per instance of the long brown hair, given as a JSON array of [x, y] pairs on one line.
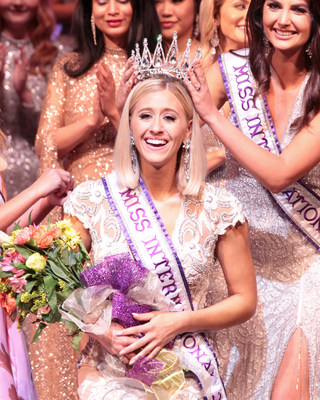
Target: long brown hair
[[45, 51], [261, 68]]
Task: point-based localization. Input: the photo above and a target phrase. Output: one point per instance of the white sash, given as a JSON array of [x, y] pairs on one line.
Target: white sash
[[299, 204], [150, 243]]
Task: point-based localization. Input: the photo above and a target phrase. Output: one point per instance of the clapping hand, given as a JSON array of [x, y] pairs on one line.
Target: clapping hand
[[126, 84]]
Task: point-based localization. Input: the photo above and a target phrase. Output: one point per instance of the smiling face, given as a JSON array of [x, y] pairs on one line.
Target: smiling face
[[176, 15], [159, 126], [113, 18], [231, 21], [18, 15], [287, 24]]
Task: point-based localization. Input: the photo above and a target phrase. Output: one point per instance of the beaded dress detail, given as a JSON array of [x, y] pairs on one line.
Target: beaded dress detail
[[288, 279], [199, 223]]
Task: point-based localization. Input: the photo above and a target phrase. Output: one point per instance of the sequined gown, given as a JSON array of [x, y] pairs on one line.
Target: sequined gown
[[20, 121], [53, 360], [199, 223], [288, 279], [67, 101]]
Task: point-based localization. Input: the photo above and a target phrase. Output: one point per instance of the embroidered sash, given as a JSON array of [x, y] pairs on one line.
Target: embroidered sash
[[299, 204], [151, 244]]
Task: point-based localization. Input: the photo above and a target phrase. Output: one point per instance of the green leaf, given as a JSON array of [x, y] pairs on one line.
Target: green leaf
[[57, 270], [24, 251], [38, 331], [62, 296], [53, 302], [72, 259], [30, 220], [4, 274], [16, 227], [75, 342], [65, 255], [20, 265], [30, 286], [70, 325], [49, 285], [84, 251]]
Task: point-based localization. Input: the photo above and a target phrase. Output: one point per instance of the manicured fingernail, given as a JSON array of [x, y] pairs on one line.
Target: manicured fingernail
[[122, 352]]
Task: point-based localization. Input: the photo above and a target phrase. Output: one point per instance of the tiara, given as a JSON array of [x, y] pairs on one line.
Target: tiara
[[149, 65]]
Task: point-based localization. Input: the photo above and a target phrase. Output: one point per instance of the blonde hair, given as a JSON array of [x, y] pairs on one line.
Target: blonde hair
[[123, 146], [3, 148], [209, 10]]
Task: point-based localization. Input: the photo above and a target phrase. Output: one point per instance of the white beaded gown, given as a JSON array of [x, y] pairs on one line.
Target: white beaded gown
[[200, 222]]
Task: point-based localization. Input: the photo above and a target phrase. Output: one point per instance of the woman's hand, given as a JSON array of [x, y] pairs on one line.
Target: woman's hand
[[160, 328], [20, 75], [199, 90], [54, 184], [127, 81], [115, 343]]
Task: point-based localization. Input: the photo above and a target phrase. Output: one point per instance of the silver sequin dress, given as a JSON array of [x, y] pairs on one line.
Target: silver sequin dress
[[288, 279], [20, 121]]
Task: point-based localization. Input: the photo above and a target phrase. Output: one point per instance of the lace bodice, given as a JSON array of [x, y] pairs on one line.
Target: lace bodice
[[200, 222]]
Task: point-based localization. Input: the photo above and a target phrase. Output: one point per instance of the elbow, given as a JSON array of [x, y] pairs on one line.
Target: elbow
[[275, 186]]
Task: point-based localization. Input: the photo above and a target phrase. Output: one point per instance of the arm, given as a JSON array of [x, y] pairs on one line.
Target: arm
[[274, 172], [239, 306], [45, 193], [215, 158]]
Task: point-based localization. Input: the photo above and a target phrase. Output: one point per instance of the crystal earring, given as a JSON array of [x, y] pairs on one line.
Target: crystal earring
[[133, 156], [309, 51], [93, 28], [186, 159], [214, 42], [266, 45]]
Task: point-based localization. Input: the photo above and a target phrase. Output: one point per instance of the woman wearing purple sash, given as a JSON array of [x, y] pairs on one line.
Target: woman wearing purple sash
[[156, 208], [273, 169]]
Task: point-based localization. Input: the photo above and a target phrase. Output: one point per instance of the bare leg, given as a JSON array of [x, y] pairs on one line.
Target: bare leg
[[292, 381]]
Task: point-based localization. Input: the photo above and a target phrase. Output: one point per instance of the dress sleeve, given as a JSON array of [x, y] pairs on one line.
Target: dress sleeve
[[52, 116], [223, 208]]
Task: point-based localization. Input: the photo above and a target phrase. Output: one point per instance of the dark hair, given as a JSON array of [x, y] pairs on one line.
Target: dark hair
[[261, 68], [45, 51], [144, 24]]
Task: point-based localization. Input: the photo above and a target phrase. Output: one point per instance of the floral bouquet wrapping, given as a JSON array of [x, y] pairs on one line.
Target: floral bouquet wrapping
[[112, 291], [40, 267]]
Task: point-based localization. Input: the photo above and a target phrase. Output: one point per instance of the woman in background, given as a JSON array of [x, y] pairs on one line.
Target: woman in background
[[26, 58], [273, 164], [16, 380], [222, 28]]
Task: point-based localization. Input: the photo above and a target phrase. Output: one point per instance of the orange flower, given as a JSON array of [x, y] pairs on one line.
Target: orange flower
[[55, 231], [7, 302], [23, 236], [42, 236]]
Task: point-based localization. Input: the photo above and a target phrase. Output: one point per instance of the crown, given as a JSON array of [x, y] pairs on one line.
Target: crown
[[149, 65]]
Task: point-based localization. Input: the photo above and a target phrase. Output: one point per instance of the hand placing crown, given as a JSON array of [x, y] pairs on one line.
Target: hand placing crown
[[149, 65]]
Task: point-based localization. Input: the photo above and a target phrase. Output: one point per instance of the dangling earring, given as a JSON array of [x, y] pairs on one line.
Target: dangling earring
[[214, 42], [309, 51], [196, 29], [133, 155], [93, 28], [266, 45], [186, 159]]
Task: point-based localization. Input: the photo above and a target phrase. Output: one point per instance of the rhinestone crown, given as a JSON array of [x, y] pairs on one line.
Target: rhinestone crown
[[158, 64]]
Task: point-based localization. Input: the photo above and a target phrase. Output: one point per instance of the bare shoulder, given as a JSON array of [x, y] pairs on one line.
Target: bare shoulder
[[216, 85]]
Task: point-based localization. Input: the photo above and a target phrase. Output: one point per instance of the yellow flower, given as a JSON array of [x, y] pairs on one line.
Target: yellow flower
[[25, 297], [36, 262], [62, 285]]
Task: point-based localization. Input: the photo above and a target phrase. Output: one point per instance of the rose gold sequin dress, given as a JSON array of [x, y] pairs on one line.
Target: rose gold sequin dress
[[69, 99]]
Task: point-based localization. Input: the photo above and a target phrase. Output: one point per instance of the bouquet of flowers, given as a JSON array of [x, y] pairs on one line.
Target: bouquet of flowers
[[40, 267]]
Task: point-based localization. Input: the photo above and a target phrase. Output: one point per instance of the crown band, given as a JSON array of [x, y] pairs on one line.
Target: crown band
[[149, 65]]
